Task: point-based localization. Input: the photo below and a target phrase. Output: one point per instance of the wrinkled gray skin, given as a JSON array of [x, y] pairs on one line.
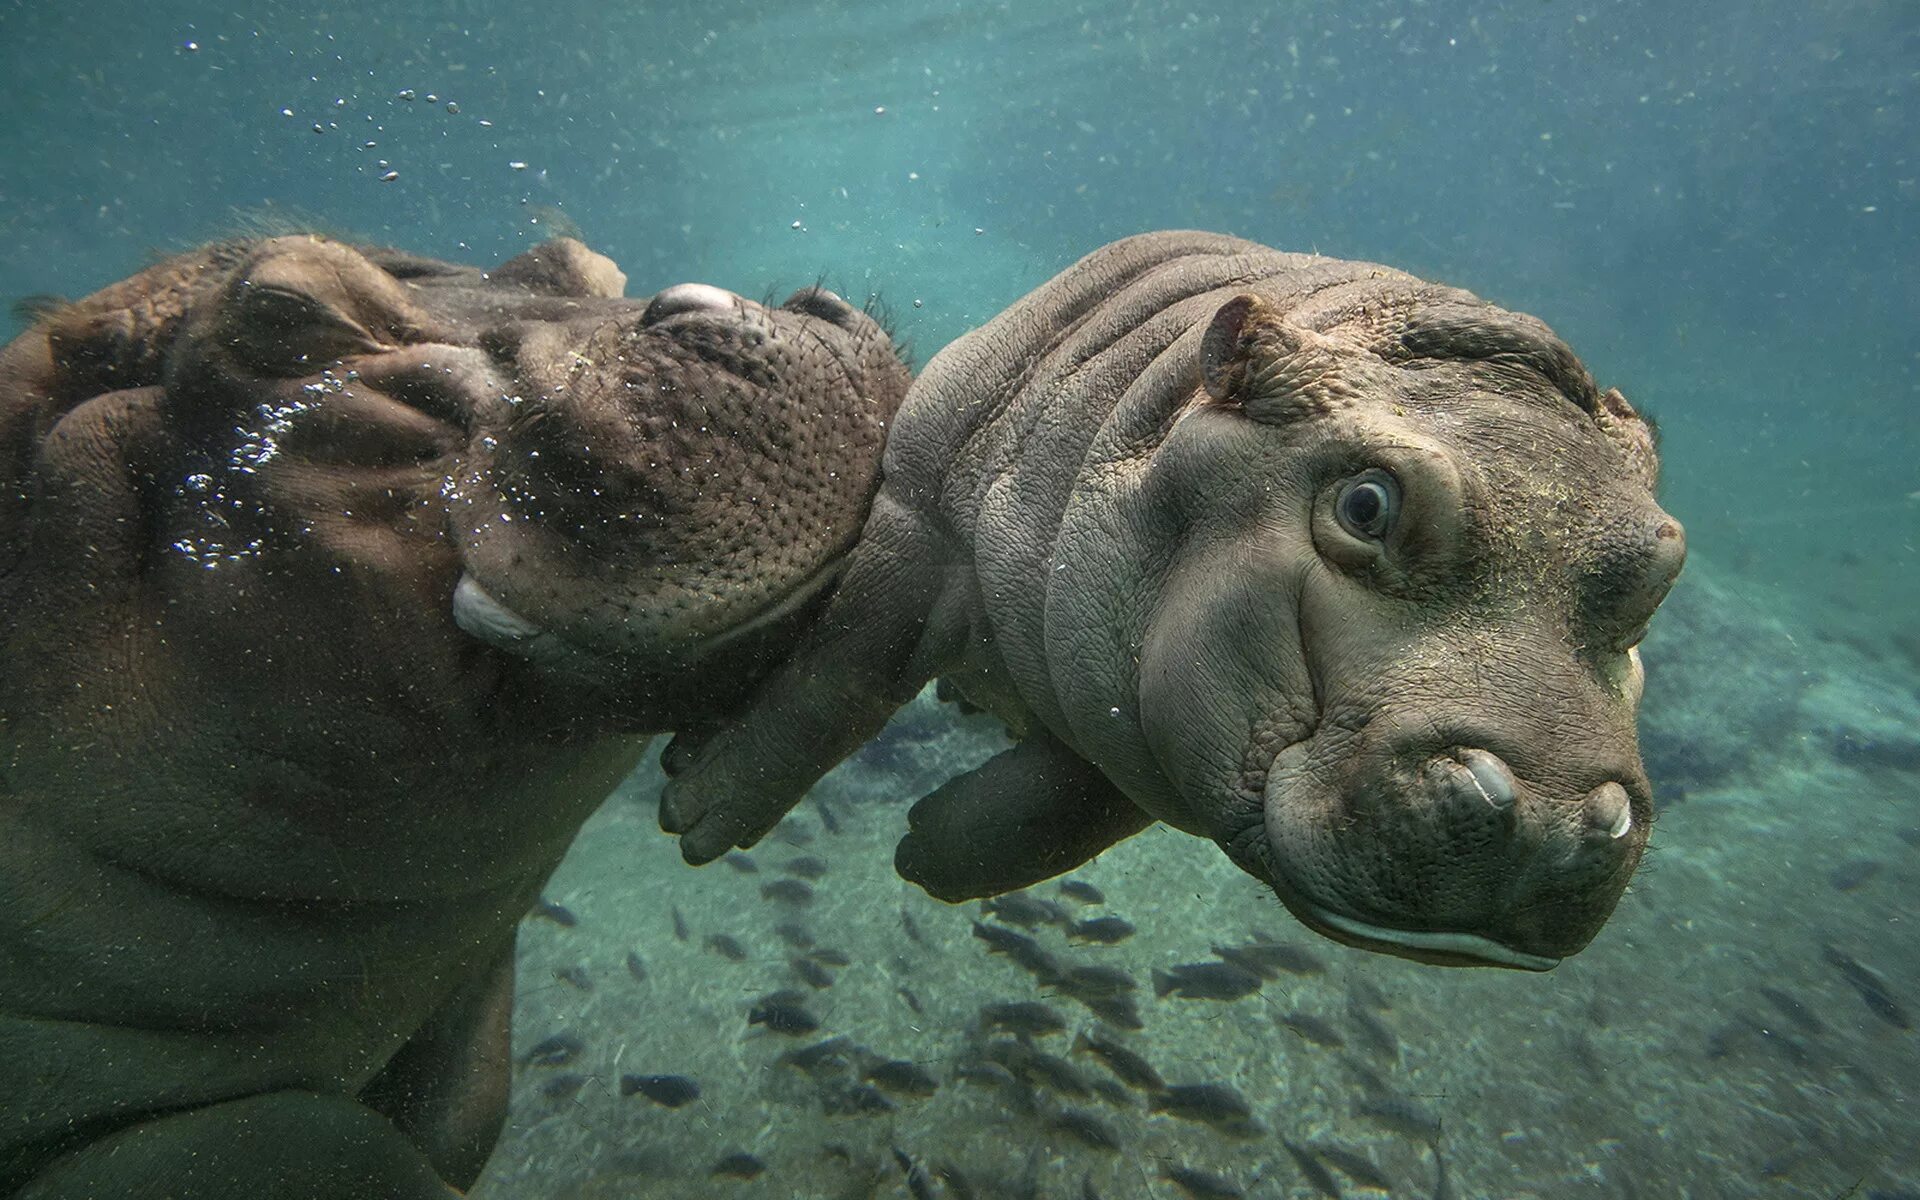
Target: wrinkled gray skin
[[337, 587], [1341, 569]]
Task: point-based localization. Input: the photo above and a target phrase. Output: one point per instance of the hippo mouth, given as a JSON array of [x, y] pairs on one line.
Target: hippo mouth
[[1468, 806], [482, 615], [1440, 948]]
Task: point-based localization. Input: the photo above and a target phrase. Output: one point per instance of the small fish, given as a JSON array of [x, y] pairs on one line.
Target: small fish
[[794, 934], [1401, 1115], [726, 947], [1085, 1128], [1117, 1011], [742, 863], [1790, 1007], [827, 956], [912, 928], [559, 914], [738, 1165], [820, 1056], [1871, 987], [1316, 1175], [959, 1187], [794, 832], [1025, 910], [860, 1098], [1049, 1071], [1084, 892], [828, 821], [574, 975], [1312, 1028], [1852, 874], [1105, 930], [919, 1182], [902, 1078], [1442, 1190], [1131, 1068], [1202, 1185], [912, 1001], [1351, 1163], [1111, 1091], [1020, 948], [1206, 981], [1083, 982], [668, 1091], [782, 1012], [807, 866], [811, 973], [987, 1074], [680, 931], [636, 967], [1360, 991], [787, 891], [1028, 1017], [555, 1051], [1374, 1034], [1284, 956], [564, 1086], [1251, 959], [1213, 1104]]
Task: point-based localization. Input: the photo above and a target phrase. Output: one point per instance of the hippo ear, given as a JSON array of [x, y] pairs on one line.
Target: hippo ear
[[1632, 433], [1276, 372], [564, 267]]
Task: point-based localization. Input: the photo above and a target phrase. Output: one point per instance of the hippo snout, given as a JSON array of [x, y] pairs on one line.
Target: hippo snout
[[1449, 854]]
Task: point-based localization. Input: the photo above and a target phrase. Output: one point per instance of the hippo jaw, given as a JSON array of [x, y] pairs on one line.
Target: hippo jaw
[[481, 615]]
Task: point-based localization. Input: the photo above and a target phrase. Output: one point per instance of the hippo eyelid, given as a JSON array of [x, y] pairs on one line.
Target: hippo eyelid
[[826, 305]]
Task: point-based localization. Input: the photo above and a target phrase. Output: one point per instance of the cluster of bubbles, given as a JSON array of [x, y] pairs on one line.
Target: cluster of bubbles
[[256, 443]]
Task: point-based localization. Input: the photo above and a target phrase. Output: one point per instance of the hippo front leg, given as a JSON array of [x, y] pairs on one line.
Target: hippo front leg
[[1027, 814], [873, 648]]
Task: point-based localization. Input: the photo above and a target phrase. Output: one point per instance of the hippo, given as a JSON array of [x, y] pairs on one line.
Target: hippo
[[1341, 569], [337, 587]]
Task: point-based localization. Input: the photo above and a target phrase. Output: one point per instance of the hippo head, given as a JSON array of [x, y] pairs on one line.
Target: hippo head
[[638, 481], [1390, 666], [376, 463]]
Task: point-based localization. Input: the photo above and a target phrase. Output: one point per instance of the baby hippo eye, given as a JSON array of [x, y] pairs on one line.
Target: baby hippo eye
[[1368, 504]]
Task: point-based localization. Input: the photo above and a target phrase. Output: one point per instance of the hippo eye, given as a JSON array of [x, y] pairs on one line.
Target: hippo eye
[[1368, 504]]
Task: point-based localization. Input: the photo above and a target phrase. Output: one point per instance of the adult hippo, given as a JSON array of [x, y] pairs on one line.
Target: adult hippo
[[1342, 569], [337, 587]]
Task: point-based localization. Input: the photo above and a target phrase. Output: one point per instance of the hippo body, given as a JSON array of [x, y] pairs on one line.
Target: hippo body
[[1342, 569], [337, 587]]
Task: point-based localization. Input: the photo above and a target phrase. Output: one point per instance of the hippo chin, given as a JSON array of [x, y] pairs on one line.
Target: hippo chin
[[337, 588], [1342, 569]]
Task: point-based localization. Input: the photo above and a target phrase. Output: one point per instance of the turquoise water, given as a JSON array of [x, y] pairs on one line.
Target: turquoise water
[[1717, 205]]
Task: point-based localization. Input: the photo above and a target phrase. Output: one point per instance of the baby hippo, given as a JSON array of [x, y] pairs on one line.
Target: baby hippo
[[1339, 568]]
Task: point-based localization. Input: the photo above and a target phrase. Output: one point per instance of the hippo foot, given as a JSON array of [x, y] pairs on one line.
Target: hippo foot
[[1028, 814]]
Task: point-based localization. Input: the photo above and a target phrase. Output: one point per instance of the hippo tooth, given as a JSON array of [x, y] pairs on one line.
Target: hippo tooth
[[1608, 809], [1490, 776], [486, 618]]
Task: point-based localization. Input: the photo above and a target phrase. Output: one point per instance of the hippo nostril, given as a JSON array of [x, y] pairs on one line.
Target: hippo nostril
[[1609, 811], [819, 302], [688, 297], [1490, 776]]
